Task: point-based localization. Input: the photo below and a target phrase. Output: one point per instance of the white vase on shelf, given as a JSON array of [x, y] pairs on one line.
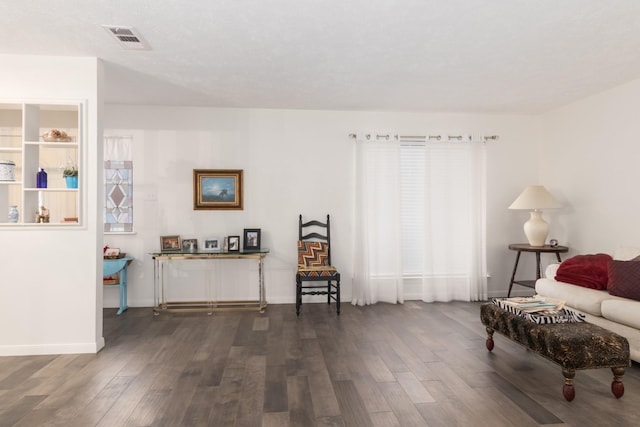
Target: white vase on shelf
[[14, 215]]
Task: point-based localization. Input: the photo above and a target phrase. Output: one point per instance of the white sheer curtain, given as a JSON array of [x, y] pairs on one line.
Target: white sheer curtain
[[419, 222], [118, 148], [454, 244], [378, 261]]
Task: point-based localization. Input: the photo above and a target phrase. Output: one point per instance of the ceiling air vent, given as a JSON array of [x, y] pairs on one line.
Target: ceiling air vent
[[127, 37]]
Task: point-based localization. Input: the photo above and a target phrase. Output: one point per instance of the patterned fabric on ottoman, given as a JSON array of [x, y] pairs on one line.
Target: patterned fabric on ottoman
[[571, 345]]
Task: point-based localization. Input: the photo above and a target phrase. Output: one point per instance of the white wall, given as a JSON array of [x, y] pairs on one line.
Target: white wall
[[294, 162], [590, 155], [49, 299], [51, 293]]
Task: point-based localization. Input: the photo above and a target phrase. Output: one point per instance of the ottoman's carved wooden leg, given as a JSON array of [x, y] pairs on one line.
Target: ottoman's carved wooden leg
[[617, 387], [489, 343], [568, 391]]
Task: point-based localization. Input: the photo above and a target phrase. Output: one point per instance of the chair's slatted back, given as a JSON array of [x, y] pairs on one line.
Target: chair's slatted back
[[305, 233]]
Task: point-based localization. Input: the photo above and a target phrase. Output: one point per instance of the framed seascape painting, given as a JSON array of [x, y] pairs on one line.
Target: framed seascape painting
[[217, 189]]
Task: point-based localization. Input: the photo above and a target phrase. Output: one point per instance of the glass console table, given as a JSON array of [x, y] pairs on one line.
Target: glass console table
[[209, 303]]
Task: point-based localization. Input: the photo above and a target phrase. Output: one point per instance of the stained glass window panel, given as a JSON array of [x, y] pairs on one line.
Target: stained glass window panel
[[118, 205]]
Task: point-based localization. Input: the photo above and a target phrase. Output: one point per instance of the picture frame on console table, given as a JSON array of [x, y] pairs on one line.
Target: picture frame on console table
[[170, 243], [217, 189], [251, 240], [211, 244], [234, 243], [189, 245]]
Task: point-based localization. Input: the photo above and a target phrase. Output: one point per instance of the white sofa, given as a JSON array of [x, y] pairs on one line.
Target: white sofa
[[620, 315]]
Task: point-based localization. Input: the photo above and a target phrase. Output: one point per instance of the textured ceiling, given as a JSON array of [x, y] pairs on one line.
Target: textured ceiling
[[515, 56]]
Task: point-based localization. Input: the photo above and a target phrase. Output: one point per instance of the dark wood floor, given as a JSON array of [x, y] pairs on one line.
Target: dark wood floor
[[415, 364]]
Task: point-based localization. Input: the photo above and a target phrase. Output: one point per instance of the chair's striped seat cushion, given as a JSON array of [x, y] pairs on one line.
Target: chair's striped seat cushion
[[317, 272]]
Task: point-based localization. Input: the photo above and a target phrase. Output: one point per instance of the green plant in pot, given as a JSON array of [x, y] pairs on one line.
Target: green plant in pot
[[70, 175]]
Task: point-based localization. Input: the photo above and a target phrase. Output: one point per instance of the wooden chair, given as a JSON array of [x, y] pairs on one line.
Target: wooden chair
[[314, 263]]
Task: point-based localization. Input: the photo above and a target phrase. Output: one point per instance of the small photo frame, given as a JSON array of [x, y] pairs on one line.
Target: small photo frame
[[217, 189], [211, 244], [189, 245], [234, 243], [112, 252], [251, 241], [170, 243]]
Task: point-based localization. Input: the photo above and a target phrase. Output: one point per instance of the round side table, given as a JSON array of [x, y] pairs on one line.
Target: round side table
[[525, 247]]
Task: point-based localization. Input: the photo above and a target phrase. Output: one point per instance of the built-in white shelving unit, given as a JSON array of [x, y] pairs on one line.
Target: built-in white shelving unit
[[22, 126]]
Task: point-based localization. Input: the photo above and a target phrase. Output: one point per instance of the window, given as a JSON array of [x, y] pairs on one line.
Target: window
[[118, 185], [419, 221], [437, 195]]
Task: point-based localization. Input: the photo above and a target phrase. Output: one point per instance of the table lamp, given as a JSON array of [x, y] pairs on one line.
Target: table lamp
[[535, 198]]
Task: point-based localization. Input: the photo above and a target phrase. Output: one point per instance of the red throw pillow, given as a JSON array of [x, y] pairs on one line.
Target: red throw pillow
[[589, 271], [624, 279]]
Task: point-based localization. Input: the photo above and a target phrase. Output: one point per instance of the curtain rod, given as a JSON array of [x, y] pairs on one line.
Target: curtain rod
[[397, 137]]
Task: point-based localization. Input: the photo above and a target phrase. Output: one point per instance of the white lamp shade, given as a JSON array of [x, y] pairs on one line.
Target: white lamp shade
[[535, 197]]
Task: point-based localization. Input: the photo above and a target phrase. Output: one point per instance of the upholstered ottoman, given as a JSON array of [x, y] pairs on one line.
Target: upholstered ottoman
[[571, 345]]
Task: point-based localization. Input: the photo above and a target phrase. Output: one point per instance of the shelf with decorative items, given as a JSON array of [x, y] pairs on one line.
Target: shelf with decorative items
[[45, 147], [10, 162]]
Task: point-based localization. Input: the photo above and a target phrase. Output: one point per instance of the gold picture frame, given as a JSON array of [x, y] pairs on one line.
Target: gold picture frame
[[217, 189]]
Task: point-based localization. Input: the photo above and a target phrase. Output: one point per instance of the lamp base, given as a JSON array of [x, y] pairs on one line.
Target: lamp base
[[536, 229]]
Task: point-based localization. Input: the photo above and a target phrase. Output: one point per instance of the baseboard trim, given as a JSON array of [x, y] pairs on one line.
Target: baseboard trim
[[43, 349]]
